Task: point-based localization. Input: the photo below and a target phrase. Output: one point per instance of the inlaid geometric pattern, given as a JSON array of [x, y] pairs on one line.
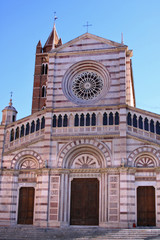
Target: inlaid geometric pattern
[[28, 164], [85, 161], [145, 162]]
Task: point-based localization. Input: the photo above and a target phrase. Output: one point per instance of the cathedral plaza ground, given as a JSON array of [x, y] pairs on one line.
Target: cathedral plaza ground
[[28, 232]]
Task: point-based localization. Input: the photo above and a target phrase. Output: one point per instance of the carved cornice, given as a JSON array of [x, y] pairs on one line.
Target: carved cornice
[[53, 171], [93, 51]]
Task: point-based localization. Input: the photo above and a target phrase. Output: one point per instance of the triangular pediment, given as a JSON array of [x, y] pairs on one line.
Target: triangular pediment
[[88, 41]]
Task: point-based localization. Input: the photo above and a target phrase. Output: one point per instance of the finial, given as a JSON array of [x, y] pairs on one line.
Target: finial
[[122, 38], [10, 103], [55, 17], [87, 25]]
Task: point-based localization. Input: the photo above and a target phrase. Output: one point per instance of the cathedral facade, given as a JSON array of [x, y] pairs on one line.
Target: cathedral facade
[[86, 155]]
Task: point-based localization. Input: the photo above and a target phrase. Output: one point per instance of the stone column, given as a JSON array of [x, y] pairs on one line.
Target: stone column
[[103, 200], [64, 199], [157, 197]]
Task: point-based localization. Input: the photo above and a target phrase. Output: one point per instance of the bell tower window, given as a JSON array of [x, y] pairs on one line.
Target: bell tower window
[[44, 69], [43, 91]]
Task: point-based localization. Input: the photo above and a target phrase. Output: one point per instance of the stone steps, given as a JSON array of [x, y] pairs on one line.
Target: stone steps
[[26, 232]]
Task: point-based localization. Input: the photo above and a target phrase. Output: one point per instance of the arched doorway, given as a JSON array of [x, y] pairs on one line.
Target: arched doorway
[[146, 215], [26, 205], [84, 201]]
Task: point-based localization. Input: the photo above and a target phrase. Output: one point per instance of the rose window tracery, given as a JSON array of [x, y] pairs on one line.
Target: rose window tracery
[[86, 82], [87, 85], [145, 161]]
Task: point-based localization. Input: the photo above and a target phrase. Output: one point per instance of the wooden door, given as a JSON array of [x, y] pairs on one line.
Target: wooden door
[[84, 201], [26, 205], [146, 206]]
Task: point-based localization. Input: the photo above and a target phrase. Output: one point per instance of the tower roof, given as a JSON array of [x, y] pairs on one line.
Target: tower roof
[[10, 107], [53, 40]]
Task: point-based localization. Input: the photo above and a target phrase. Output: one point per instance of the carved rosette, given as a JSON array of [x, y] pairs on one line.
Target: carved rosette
[[145, 161], [28, 164], [85, 161]]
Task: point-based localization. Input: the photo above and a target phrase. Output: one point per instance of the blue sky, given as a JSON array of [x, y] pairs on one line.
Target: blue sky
[[24, 22]]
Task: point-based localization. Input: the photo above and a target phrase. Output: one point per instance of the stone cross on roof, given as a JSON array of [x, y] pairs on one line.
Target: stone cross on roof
[[87, 25]]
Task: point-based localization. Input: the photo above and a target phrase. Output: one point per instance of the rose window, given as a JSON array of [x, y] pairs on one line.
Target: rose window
[[87, 85]]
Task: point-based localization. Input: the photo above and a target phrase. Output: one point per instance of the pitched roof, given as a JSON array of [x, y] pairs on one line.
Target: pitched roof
[[53, 41]]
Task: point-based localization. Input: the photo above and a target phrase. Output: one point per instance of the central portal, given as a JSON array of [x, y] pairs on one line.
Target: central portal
[[84, 201]]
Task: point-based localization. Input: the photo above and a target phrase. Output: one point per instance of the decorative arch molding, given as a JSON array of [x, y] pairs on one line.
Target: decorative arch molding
[[96, 150], [144, 157], [27, 158]]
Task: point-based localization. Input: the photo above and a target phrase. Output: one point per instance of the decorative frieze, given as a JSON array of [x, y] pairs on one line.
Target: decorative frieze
[[54, 198], [113, 198]]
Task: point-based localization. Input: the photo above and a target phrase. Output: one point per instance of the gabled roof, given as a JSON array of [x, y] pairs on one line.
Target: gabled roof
[[95, 39]]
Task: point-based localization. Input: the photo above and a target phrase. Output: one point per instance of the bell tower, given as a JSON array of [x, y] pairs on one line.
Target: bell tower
[[41, 70]]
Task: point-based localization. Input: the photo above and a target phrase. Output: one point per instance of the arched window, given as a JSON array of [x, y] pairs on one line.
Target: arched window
[[134, 120], [13, 118], [43, 122], [46, 69], [22, 131], [27, 129], [60, 121], [116, 118], [140, 122], [82, 120], [87, 119], [104, 118], [43, 91], [157, 128], [76, 120], [65, 120], [32, 126], [152, 126], [17, 133], [146, 124], [111, 118], [54, 123], [129, 119], [93, 123], [12, 135], [37, 124], [43, 67]]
